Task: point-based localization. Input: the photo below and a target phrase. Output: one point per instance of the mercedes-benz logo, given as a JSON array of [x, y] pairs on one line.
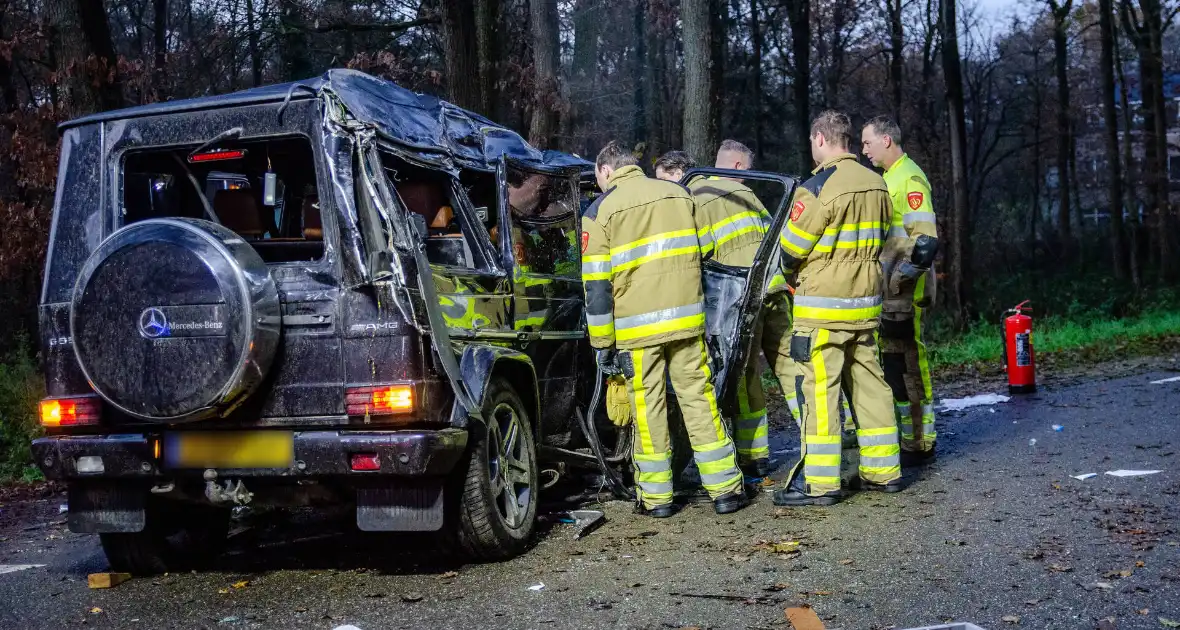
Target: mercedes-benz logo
[[153, 323]]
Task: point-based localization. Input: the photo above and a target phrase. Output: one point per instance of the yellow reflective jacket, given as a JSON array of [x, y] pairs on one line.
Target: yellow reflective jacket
[[731, 220], [913, 216], [833, 242], [641, 263]]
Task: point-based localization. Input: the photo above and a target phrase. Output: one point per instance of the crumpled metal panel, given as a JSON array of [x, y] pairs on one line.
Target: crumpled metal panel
[[430, 130]]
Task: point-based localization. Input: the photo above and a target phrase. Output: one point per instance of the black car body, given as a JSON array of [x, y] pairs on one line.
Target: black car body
[[334, 291], [376, 272]]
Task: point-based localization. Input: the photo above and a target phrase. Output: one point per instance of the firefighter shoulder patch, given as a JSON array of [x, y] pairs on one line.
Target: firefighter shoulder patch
[[585, 241], [518, 253], [915, 200], [797, 210]]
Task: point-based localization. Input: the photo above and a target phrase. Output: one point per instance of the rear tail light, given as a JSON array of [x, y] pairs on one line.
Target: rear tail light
[[70, 412], [379, 400]]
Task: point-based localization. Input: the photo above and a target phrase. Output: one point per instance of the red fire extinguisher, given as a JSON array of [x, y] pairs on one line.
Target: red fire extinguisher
[[1019, 359]]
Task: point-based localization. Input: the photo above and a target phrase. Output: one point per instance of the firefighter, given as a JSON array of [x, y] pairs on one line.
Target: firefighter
[[731, 223], [641, 269], [831, 249], [672, 165], [908, 255]]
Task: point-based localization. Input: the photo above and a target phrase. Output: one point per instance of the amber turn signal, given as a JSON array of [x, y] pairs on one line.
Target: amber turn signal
[[70, 412], [379, 400]]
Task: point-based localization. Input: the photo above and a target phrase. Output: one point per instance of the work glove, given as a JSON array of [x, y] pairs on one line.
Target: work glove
[[618, 404], [904, 277], [608, 361]]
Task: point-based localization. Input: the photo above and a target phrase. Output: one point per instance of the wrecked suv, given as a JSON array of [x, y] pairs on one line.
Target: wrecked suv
[[329, 292]]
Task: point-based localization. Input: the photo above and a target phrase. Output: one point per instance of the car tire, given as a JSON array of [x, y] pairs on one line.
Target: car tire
[[174, 538], [494, 494]]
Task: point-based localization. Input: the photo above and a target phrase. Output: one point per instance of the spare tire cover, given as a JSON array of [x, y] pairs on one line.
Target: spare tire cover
[[175, 319]]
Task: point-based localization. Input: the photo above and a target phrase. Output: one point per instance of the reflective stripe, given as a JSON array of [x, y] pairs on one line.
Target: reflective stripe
[[595, 269], [888, 452], [533, 318], [837, 309], [659, 463], [659, 322], [838, 303], [714, 452], [823, 425], [851, 236], [599, 320], [897, 231], [796, 240], [711, 395], [736, 225], [877, 440], [705, 238], [645, 441], [652, 317], [659, 246], [911, 218]]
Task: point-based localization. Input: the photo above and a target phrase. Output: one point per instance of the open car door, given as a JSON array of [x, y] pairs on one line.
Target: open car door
[[734, 295]]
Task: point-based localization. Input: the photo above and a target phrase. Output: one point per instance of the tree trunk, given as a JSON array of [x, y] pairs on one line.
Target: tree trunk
[[160, 47], [1110, 120], [639, 128], [959, 253], [896, 52], [756, 73], [1061, 51], [1153, 19], [78, 79], [461, 54], [1129, 197], [1038, 177], [654, 78], [588, 23], [543, 22], [487, 44], [799, 16], [253, 35], [97, 32], [293, 44], [700, 138]]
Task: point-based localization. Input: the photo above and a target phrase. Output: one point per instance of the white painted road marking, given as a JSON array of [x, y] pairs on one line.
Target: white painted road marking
[[1166, 380], [13, 568]]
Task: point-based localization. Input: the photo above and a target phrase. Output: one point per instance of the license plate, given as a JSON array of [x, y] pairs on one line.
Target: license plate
[[229, 449]]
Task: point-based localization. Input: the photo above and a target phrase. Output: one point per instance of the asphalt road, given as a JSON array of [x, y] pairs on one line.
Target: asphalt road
[[996, 529]]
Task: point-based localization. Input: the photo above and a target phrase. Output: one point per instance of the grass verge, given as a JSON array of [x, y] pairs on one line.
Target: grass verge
[[1092, 340]]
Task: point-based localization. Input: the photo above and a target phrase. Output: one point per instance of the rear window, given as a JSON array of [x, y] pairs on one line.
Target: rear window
[[265, 191]]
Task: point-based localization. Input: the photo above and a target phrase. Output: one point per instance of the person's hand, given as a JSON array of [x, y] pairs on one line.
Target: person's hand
[[608, 361], [904, 277]]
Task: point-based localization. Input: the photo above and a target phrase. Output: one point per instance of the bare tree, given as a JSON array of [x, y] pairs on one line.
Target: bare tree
[[799, 17], [700, 132], [1111, 123], [958, 253], [543, 21], [1060, 11], [459, 37], [893, 12]]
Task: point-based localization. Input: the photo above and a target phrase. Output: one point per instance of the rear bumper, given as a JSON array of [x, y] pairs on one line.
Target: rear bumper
[[317, 454]]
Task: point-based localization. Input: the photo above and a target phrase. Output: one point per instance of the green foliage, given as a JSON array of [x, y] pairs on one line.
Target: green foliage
[[1101, 338], [21, 387]]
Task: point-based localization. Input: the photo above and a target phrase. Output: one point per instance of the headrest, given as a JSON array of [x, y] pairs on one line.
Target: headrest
[[238, 211], [313, 226], [442, 218]]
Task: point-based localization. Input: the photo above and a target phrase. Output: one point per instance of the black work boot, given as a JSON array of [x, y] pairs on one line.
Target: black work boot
[[660, 511], [756, 469], [795, 495], [910, 459], [891, 486], [731, 502]]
